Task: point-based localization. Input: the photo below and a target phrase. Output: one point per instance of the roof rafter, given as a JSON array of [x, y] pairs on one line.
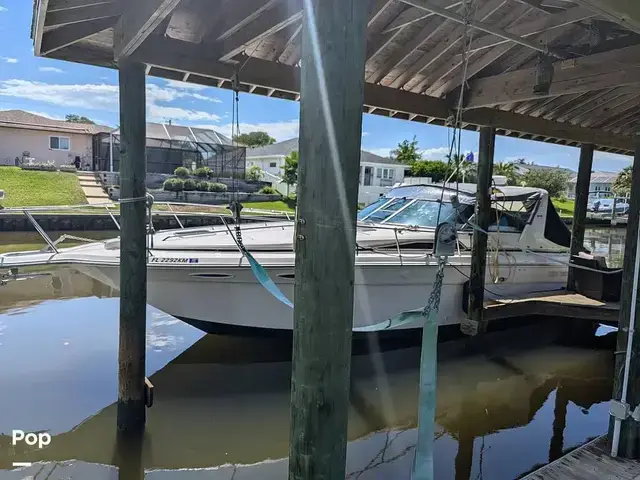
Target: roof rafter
[[625, 12], [69, 34], [593, 72], [137, 22]]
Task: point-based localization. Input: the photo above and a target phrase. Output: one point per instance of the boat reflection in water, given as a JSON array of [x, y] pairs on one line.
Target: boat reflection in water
[[224, 403]]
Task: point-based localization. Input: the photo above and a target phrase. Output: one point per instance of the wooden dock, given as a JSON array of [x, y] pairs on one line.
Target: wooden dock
[[589, 462], [553, 304]]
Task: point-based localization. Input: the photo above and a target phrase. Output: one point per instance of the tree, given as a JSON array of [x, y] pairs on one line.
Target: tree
[[436, 169], [622, 183], [553, 181], [407, 152], [506, 170], [290, 174], [459, 169], [73, 118], [254, 173], [255, 139]]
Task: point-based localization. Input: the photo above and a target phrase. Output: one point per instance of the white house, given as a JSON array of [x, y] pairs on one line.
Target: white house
[[600, 183], [377, 174]]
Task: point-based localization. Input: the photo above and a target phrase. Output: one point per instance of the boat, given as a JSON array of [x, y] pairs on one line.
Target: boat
[[202, 276]]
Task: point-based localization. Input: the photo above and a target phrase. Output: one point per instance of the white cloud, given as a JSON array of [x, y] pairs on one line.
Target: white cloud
[[3, 9], [161, 113], [279, 130], [437, 153], [365, 134], [185, 85], [9, 59], [104, 97], [50, 69]]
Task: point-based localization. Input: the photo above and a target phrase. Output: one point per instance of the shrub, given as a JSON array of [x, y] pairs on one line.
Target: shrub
[[217, 187], [204, 172], [189, 185], [254, 173], [202, 186], [269, 190], [173, 185], [181, 172], [68, 168]]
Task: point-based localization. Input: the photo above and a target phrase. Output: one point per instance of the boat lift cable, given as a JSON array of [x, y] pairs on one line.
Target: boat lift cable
[[235, 206]]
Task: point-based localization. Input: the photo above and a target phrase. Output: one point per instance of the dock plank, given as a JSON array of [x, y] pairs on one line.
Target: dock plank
[[589, 462], [555, 304]]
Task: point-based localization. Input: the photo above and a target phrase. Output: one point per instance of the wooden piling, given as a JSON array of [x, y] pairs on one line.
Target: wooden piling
[[133, 257], [332, 93], [475, 322], [580, 208], [629, 446]]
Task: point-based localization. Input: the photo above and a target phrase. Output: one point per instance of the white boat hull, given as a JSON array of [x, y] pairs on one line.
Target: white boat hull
[[233, 297]]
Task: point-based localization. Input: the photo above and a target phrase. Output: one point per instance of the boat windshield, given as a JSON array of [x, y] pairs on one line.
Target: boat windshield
[[407, 211]]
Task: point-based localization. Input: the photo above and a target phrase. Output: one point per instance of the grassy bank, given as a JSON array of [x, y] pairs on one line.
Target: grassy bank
[[34, 188], [564, 206]]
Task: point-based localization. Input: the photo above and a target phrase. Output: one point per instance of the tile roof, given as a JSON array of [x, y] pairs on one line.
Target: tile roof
[[22, 119], [285, 147]]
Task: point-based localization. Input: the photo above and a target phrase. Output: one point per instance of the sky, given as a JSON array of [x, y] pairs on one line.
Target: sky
[[54, 88]]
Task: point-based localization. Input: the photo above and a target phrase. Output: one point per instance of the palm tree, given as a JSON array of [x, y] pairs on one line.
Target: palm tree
[[507, 170]]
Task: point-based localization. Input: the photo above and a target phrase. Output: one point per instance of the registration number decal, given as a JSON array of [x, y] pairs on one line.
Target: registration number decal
[[172, 260]]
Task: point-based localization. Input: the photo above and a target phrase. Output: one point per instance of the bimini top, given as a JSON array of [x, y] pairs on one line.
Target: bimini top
[[466, 192]]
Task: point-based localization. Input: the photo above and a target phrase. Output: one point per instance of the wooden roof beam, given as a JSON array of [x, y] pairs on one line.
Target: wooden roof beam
[[137, 22], [69, 34], [623, 12], [485, 27], [594, 72], [437, 52], [198, 60], [413, 15], [67, 4], [58, 18], [449, 76], [603, 105], [273, 20]]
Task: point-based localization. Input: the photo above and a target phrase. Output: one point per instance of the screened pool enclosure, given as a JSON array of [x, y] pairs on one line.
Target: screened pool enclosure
[[172, 146]]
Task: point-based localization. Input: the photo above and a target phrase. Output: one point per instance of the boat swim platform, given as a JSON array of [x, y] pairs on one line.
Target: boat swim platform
[[559, 303], [588, 462]]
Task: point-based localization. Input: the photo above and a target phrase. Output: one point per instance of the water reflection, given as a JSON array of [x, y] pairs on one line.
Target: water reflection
[[223, 402], [607, 242]]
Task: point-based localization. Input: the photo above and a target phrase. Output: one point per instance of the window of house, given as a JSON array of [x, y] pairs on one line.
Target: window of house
[[59, 143], [273, 164], [378, 173], [387, 173]]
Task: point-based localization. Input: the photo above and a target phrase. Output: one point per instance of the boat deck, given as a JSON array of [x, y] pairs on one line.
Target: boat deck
[[589, 462], [553, 304]]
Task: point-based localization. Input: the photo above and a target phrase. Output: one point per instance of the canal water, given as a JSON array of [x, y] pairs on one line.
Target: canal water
[[223, 402]]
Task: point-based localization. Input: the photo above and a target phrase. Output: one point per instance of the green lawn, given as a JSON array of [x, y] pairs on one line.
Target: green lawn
[[278, 205], [30, 188], [564, 206]]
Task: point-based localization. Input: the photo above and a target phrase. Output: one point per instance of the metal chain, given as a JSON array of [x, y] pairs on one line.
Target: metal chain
[[433, 304]]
